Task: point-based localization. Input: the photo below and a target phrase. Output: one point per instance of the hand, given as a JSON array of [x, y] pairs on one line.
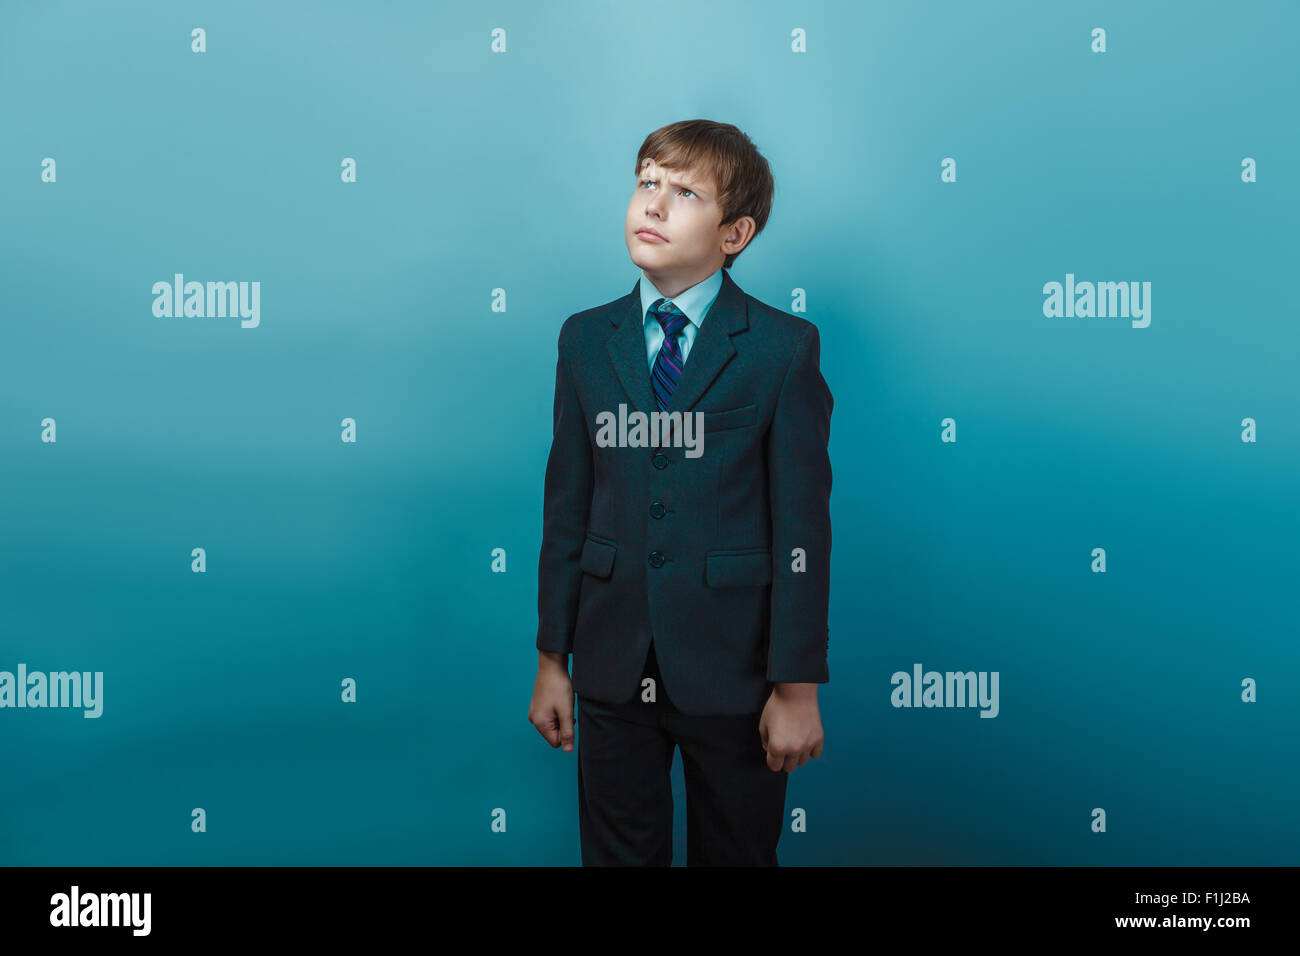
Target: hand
[[551, 709], [791, 726]]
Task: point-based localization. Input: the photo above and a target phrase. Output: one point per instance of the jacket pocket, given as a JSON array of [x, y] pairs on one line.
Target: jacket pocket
[[597, 557], [731, 418], [747, 567]]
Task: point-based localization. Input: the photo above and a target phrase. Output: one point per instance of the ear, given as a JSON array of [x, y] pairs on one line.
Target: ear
[[738, 235]]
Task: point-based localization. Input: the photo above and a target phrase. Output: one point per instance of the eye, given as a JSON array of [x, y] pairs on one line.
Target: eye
[[645, 181]]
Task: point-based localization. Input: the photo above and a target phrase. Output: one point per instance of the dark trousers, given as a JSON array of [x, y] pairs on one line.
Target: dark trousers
[[735, 805]]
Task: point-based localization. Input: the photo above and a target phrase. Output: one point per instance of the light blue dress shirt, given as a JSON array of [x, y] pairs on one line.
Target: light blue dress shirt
[[694, 304]]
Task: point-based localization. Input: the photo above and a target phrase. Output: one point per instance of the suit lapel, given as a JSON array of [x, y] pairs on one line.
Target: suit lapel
[[626, 348], [709, 354]]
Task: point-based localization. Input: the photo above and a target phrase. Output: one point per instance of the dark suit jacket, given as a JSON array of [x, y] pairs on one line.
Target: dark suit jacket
[[696, 552]]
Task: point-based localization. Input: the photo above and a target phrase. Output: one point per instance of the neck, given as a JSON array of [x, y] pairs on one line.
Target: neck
[[674, 284]]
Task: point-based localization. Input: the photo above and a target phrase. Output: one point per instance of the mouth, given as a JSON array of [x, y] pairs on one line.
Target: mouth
[[649, 235]]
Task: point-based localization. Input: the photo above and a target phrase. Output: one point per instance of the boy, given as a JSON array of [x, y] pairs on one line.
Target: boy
[[691, 587]]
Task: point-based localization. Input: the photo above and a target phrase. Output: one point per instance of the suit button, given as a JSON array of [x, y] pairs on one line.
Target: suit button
[[657, 510], [656, 559], [660, 460]]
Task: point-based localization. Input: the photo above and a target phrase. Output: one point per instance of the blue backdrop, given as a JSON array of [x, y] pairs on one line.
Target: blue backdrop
[[937, 165]]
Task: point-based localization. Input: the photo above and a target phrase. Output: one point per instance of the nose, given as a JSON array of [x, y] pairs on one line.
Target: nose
[[653, 207]]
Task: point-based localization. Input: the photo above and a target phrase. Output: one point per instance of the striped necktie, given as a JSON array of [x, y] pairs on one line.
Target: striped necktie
[[668, 363]]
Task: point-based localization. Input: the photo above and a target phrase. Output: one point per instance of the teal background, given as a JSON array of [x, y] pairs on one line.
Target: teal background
[[480, 171]]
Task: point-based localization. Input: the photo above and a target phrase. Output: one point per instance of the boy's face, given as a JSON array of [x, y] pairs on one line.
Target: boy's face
[[681, 206]]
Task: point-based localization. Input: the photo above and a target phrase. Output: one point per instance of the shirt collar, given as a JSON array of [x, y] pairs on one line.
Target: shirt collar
[[694, 302]]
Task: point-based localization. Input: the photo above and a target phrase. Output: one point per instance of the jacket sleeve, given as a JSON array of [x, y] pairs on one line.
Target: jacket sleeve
[[565, 508], [799, 483]]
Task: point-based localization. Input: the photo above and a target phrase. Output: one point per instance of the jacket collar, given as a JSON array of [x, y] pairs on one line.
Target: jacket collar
[[710, 352]]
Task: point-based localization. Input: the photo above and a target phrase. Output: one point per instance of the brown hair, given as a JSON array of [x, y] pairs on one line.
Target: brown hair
[[723, 152]]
